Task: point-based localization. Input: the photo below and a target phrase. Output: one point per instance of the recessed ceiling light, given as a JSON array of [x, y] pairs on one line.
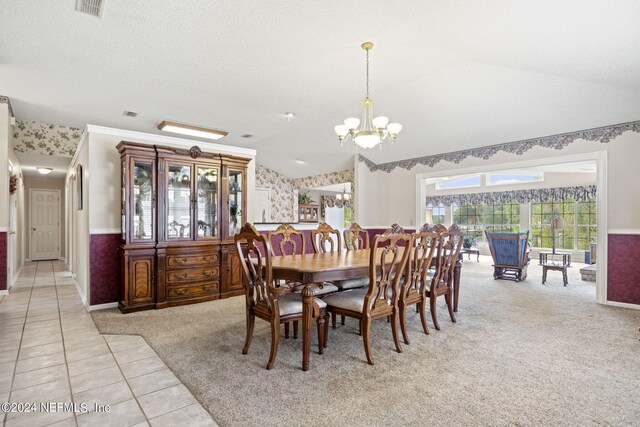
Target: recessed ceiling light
[[289, 116], [129, 113], [44, 171], [300, 161], [191, 130]]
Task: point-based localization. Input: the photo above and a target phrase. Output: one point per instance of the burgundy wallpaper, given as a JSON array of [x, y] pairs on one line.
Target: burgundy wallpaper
[[103, 268], [3, 261], [623, 282]]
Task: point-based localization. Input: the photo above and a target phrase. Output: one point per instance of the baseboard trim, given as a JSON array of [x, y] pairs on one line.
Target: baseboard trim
[[15, 277], [103, 306], [623, 304]]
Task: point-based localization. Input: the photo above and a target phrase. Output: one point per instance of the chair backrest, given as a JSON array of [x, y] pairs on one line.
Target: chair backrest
[[424, 246], [394, 229], [446, 256], [508, 249], [425, 227], [356, 237], [285, 231], [438, 228], [321, 238], [252, 245], [391, 253]]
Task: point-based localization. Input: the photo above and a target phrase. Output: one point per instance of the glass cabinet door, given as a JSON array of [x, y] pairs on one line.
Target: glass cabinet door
[[143, 200], [178, 202], [235, 203], [207, 207]]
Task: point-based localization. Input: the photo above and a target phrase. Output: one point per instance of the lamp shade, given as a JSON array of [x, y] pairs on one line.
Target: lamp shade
[[429, 217], [560, 222]]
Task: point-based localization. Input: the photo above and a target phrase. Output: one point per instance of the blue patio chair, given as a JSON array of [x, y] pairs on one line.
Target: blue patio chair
[[510, 252]]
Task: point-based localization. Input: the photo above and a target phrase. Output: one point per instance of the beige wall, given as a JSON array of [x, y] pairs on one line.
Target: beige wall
[[5, 136], [45, 183], [398, 188], [79, 222]]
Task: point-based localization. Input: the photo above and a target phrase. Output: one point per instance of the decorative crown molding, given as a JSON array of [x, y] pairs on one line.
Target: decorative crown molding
[[602, 134], [6, 100]]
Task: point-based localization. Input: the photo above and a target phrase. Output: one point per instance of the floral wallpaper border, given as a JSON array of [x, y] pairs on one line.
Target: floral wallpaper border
[[46, 139], [602, 134], [577, 193], [6, 100]]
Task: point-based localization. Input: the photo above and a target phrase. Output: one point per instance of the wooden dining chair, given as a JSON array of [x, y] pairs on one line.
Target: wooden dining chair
[[356, 237], [265, 300], [414, 285], [442, 283], [380, 298], [283, 236], [323, 236]]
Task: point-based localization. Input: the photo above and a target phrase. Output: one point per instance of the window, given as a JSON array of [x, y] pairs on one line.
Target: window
[[507, 178], [435, 214], [475, 219], [541, 215], [459, 182], [586, 227]]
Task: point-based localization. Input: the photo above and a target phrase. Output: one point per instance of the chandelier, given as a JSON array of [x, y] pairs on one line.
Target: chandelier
[[370, 131]]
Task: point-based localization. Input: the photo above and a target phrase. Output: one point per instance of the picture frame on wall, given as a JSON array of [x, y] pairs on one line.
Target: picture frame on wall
[[79, 186]]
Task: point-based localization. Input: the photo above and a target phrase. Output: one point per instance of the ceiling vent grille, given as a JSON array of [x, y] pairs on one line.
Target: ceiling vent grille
[[92, 7]]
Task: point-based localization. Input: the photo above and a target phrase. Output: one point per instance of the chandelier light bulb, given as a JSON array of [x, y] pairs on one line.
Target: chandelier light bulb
[[352, 123], [380, 122]]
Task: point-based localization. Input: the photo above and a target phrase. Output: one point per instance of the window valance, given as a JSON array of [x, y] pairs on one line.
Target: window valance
[[577, 193]]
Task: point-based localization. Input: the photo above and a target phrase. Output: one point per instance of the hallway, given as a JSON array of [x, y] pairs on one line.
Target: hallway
[[51, 351]]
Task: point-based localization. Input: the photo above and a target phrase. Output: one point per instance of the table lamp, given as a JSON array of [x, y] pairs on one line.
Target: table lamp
[[557, 223]]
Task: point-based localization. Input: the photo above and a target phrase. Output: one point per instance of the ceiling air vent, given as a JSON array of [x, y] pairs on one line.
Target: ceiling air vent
[[92, 7], [246, 135]]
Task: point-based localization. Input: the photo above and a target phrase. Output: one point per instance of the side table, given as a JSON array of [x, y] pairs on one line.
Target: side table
[[548, 262], [474, 251]]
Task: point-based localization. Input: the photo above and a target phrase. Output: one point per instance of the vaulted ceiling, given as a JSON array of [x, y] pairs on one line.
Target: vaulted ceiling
[[456, 74]]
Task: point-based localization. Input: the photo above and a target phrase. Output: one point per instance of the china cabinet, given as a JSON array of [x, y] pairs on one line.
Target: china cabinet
[[180, 211], [308, 213]]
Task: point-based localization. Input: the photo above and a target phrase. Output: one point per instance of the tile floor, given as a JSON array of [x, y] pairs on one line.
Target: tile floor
[[51, 351]]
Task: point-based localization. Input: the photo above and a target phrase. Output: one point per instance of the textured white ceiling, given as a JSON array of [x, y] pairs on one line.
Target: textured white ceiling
[[456, 74]]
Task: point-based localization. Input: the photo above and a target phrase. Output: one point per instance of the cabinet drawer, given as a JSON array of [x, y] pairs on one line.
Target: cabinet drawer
[[192, 290], [189, 260], [192, 274]]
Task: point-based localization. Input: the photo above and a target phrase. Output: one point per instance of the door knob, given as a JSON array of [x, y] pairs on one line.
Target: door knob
[[34, 229]]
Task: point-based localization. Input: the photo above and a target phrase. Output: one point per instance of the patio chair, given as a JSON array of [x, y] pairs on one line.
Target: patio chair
[[510, 252]]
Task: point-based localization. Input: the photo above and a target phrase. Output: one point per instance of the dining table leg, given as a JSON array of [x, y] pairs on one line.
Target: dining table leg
[[307, 320], [456, 284]]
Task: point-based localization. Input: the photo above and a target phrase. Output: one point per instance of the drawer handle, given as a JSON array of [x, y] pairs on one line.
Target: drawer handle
[[207, 288], [182, 261], [179, 291], [208, 259], [181, 275], [207, 273]]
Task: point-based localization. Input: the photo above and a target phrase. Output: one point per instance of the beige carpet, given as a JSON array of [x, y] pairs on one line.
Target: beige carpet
[[520, 354]]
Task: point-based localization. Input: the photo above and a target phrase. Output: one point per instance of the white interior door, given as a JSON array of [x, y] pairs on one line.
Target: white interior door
[[45, 224], [262, 205]]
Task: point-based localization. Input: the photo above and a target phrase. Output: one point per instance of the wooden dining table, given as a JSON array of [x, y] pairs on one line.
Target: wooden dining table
[[313, 269]]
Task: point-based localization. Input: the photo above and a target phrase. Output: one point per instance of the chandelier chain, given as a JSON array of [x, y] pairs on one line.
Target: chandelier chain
[[367, 73]]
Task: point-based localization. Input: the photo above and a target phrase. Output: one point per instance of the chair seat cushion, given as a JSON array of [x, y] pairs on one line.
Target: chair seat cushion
[[327, 288], [346, 284], [349, 300], [292, 304]]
